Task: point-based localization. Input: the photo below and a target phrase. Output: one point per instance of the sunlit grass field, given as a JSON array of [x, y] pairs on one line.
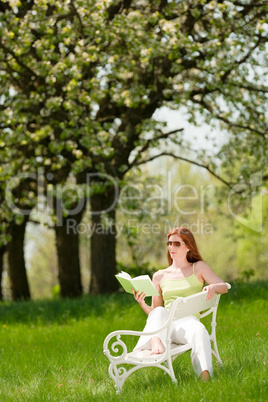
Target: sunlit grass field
[[53, 351]]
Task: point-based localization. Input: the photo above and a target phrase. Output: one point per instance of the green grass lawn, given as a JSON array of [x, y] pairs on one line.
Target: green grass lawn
[[52, 351]]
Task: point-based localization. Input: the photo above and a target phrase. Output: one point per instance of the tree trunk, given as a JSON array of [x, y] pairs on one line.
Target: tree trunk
[[17, 270], [67, 244], [2, 252], [103, 243]]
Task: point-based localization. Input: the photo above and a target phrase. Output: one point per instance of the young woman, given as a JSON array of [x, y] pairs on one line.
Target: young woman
[[187, 274]]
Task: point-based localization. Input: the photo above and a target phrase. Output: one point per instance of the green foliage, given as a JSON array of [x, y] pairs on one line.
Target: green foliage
[[227, 246], [42, 264], [252, 256], [41, 261], [52, 350], [80, 82], [179, 195]]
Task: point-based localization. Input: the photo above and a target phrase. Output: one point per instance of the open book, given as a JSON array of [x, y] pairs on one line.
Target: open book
[[142, 283]]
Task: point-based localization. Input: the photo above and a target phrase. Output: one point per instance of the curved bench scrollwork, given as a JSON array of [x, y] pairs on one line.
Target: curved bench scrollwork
[[118, 348]]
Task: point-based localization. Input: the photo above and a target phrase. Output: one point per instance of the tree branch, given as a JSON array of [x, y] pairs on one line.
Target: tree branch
[[227, 121], [79, 18], [114, 9], [205, 166], [250, 87], [147, 144]]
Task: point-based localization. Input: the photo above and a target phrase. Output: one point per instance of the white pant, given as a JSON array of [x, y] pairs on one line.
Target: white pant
[[185, 330]]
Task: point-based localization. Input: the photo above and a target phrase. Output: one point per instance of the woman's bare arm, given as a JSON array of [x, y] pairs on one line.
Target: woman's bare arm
[[215, 283]]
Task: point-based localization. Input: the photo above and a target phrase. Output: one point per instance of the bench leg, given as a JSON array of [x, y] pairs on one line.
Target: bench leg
[[216, 352], [171, 370]]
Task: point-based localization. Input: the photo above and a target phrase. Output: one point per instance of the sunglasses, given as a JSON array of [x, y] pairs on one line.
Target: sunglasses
[[176, 244]]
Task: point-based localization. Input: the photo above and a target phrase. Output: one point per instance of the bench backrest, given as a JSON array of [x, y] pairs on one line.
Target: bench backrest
[[184, 306]]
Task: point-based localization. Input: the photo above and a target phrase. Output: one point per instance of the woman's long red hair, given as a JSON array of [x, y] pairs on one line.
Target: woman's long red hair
[[187, 237]]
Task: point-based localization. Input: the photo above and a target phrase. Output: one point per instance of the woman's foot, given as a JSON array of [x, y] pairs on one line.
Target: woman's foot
[[204, 376], [157, 346]]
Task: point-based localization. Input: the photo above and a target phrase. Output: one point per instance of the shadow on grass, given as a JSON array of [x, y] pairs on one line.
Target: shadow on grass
[[62, 310], [246, 291]]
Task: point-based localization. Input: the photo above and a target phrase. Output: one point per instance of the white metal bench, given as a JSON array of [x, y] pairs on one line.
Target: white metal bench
[[120, 359]]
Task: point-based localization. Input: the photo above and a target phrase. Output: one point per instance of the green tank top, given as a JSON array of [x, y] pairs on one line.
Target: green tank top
[[174, 288]]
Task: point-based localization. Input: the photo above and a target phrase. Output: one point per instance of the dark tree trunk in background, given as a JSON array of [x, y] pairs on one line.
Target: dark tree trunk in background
[[103, 243], [17, 269], [2, 252], [67, 244]]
